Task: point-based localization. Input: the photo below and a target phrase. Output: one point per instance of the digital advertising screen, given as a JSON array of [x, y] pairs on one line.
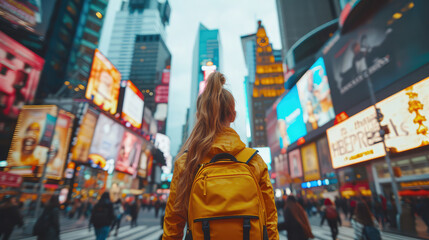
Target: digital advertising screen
[[295, 166], [103, 83], [265, 153], [162, 142], [282, 169], [19, 75], [60, 144], [27, 147], [106, 143], [310, 162], [129, 153], [384, 48], [324, 156], [315, 96], [33, 16], [80, 150], [133, 105], [145, 156], [290, 122]]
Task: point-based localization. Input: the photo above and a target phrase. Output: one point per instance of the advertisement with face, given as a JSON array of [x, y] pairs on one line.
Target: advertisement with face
[[60, 144], [315, 97], [385, 48], [133, 105], [80, 150], [295, 166], [19, 76], [355, 140], [406, 113], [106, 142], [33, 16], [144, 158], [26, 149], [103, 83], [310, 162], [129, 153], [290, 121]]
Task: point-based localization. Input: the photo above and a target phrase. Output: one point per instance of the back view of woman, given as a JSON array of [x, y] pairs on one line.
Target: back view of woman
[[364, 225], [212, 136]]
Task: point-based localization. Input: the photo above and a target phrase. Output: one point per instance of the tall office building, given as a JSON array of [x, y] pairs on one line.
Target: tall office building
[[136, 17], [297, 18], [264, 83], [207, 57]]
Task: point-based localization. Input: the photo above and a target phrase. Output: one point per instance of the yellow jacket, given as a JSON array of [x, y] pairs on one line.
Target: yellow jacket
[[227, 141]]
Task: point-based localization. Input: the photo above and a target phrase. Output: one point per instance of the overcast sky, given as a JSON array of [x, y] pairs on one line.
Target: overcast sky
[[233, 19]]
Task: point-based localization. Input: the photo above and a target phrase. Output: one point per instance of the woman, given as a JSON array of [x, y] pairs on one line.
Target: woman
[[102, 217], [363, 220], [9, 217], [212, 135], [296, 221], [331, 215], [47, 226]]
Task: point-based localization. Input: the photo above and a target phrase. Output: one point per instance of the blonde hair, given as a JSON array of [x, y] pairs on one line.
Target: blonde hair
[[215, 109]]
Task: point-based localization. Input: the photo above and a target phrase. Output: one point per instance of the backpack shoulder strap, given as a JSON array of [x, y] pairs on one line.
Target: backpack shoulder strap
[[246, 155]]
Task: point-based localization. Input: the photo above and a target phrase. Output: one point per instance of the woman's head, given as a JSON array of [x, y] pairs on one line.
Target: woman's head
[[215, 111], [328, 202], [363, 215]]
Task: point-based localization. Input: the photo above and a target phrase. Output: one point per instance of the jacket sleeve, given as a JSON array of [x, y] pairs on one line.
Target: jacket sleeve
[[270, 206], [174, 221]]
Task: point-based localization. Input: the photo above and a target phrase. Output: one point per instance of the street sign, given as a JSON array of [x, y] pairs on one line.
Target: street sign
[[9, 179]]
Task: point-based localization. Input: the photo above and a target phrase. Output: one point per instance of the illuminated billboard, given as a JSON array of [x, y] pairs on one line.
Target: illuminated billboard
[[60, 145], [129, 153], [265, 153], [80, 150], [355, 140], [28, 147], [103, 83], [207, 70], [145, 157], [310, 162], [290, 122], [133, 105], [106, 142], [19, 76], [315, 97], [295, 165]]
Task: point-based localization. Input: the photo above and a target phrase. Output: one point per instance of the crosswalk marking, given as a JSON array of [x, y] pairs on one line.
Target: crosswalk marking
[[153, 236]]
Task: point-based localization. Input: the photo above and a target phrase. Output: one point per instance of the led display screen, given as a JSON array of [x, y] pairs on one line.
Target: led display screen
[[129, 153], [133, 105]]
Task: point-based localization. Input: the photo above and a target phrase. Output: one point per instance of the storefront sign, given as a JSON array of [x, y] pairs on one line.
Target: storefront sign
[[9, 179], [310, 162], [295, 164], [355, 140]]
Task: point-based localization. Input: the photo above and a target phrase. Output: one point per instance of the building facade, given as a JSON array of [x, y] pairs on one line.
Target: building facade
[[206, 58], [136, 17]]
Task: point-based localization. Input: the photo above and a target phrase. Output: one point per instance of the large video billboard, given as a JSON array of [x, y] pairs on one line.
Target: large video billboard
[[129, 153], [106, 142], [133, 105], [28, 148], [60, 145], [295, 165], [315, 97], [145, 157], [103, 83], [310, 162], [19, 75], [33, 16], [80, 150], [390, 45]]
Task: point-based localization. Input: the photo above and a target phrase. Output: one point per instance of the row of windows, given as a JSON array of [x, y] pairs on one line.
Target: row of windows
[[272, 68], [269, 80], [266, 92]]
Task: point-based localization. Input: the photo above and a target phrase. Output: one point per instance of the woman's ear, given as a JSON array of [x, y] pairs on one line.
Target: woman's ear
[[233, 116]]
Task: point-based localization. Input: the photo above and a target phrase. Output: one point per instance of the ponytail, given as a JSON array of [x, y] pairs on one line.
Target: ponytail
[[215, 108]]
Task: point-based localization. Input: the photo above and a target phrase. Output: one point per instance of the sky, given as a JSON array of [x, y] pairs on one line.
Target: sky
[[233, 19]]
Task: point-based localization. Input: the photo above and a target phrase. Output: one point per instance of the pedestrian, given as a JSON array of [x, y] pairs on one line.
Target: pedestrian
[[157, 206], [118, 210], [295, 221], [47, 226], [352, 207], [9, 216], [364, 224], [407, 218], [102, 217], [134, 212], [331, 215], [212, 136]]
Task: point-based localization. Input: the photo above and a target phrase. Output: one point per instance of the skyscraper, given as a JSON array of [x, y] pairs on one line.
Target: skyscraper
[[136, 17], [206, 58], [264, 83]]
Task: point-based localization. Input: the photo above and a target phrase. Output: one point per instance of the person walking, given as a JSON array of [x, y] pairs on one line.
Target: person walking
[[102, 217], [9, 216], [213, 150], [157, 206], [134, 213], [364, 224], [118, 210], [295, 221], [331, 215], [47, 226]]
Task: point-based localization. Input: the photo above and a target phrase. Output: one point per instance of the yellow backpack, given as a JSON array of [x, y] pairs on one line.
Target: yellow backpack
[[226, 201]]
